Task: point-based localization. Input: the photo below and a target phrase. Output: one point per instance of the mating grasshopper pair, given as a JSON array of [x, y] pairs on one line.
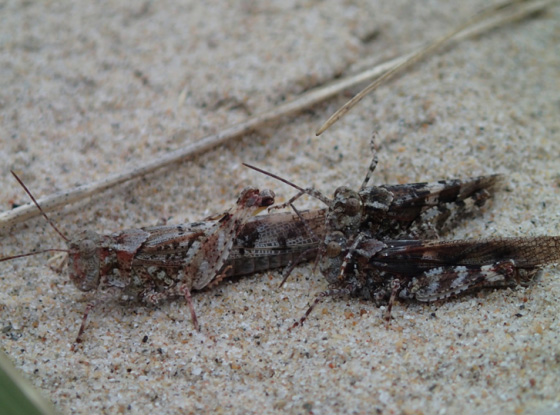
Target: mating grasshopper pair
[[376, 243]]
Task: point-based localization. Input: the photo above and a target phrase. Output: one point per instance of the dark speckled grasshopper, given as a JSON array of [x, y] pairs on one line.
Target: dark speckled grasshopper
[[407, 211], [426, 271], [380, 245]]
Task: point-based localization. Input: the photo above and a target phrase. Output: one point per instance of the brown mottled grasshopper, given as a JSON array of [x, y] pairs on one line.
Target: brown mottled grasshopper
[[156, 263]]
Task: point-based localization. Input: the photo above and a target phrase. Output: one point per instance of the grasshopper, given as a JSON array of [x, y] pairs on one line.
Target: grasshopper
[[156, 263]]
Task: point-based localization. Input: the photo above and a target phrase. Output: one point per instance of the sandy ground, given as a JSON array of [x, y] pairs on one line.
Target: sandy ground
[[90, 89]]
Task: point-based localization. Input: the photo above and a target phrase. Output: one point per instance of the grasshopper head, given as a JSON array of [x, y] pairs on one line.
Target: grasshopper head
[[346, 210], [335, 250], [256, 199], [84, 255]]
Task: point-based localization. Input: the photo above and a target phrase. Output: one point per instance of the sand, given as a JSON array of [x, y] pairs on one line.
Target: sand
[[88, 90]]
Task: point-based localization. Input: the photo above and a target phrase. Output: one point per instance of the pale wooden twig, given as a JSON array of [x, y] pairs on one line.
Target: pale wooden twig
[[306, 100], [466, 29]]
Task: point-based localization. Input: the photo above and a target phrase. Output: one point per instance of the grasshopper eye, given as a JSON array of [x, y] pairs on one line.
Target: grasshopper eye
[[335, 243], [352, 207], [87, 247], [333, 249], [267, 197]]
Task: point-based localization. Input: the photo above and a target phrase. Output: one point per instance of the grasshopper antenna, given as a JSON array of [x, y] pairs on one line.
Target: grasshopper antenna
[[42, 212], [311, 192], [33, 253]]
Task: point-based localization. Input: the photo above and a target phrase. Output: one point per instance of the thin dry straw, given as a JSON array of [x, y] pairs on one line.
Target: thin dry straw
[[409, 60]]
